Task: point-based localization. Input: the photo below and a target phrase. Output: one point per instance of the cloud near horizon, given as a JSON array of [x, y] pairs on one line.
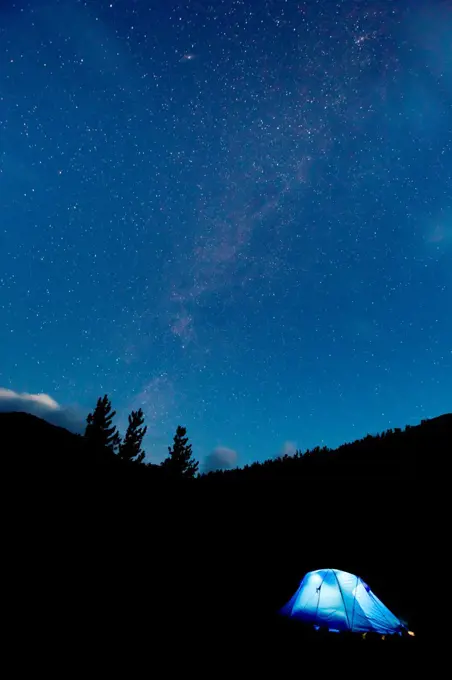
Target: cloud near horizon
[[221, 458], [288, 449], [43, 406]]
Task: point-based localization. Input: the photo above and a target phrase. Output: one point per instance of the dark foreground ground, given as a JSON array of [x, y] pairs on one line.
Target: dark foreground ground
[[103, 565], [181, 580]]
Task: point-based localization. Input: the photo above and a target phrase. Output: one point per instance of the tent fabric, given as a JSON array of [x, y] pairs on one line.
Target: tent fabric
[[340, 601]]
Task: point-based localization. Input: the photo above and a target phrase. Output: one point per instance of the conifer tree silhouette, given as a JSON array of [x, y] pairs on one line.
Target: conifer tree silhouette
[[180, 463], [100, 432], [130, 448]]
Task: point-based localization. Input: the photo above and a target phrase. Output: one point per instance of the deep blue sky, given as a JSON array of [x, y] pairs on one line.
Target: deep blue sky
[[237, 214]]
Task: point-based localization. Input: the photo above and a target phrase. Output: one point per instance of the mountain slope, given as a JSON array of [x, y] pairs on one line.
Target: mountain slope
[[32, 437]]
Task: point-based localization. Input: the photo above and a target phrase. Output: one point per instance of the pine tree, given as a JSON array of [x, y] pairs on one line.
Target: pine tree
[[100, 432], [130, 448], [180, 463]]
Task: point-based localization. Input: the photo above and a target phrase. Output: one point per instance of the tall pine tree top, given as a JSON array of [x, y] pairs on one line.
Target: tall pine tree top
[[130, 449], [180, 463], [100, 432]]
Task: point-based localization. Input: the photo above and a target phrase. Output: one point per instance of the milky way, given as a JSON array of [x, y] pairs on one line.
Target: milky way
[[237, 215]]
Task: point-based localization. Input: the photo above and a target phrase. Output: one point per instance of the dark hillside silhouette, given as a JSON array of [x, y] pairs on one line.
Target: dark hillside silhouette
[[207, 560], [28, 440], [394, 454]]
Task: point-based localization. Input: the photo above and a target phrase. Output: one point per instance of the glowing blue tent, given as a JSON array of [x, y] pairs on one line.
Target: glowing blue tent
[[340, 601]]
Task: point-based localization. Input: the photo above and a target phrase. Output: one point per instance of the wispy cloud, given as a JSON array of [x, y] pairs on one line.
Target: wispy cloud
[[43, 406], [441, 233], [159, 401], [288, 449], [221, 458], [182, 325], [221, 257]]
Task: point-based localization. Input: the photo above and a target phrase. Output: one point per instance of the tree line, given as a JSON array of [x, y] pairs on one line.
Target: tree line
[[102, 435], [392, 453]]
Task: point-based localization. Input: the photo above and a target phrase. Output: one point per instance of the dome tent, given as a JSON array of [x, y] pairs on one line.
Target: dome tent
[[340, 601]]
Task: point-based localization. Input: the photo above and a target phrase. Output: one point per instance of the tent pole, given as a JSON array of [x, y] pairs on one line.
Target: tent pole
[[354, 600], [342, 596], [318, 599]]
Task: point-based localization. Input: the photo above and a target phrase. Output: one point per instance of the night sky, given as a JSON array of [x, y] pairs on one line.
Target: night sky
[[236, 215]]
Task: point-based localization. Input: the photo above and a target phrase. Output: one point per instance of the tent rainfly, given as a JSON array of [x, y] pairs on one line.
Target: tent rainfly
[[339, 601]]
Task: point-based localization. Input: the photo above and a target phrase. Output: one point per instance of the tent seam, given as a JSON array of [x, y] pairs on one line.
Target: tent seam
[[318, 599], [342, 596]]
